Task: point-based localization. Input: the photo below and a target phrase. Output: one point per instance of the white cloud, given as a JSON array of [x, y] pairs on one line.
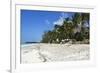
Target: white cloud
[[47, 22], [61, 19]]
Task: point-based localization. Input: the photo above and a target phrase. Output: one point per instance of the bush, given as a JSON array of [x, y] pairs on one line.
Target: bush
[[79, 36]]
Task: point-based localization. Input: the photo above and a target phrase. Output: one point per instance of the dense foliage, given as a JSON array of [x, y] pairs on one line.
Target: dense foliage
[[75, 28]]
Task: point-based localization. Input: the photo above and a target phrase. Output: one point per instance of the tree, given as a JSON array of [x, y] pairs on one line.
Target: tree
[[79, 19], [67, 29]]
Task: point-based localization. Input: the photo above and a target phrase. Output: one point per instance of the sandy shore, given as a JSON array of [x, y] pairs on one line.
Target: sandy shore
[[35, 53]]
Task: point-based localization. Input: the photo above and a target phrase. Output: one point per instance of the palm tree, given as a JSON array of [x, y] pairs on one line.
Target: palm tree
[[68, 27], [85, 28], [79, 21]]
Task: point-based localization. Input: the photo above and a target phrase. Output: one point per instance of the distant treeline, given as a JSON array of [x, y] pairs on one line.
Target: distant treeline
[[75, 28]]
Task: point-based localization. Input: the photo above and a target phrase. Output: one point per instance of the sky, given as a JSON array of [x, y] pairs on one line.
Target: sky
[[34, 23]]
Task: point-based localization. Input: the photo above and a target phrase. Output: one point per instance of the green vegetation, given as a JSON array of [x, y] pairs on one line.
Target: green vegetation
[[75, 28]]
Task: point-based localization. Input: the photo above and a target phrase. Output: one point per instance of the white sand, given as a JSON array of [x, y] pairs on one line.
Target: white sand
[[35, 53]]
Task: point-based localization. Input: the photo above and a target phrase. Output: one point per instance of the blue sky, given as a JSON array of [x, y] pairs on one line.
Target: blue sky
[[34, 23]]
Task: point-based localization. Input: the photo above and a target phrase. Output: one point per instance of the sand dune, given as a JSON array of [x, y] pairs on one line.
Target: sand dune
[[35, 53]]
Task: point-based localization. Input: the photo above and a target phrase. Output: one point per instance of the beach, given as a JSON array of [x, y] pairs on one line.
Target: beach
[[44, 52]]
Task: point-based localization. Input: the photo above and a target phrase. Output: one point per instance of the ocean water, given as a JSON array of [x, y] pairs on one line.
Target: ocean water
[[28, 44]]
